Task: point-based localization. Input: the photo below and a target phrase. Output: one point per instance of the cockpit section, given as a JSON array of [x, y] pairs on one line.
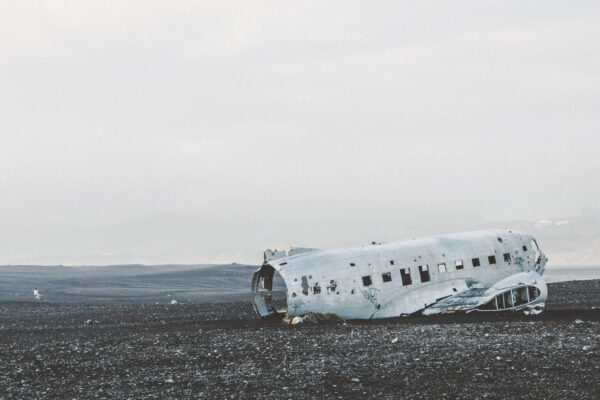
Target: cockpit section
[[522, 291], [513, 299]]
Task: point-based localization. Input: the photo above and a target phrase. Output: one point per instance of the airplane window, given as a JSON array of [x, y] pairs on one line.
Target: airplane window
[[500, 301], [405, 275], [424, 272], [366, 280], [476, 262], [507, 257], [508, 299], [533, 292], [459, 264], [492, 259], [387, 277], [521, 295], [442, 267], [391, 262]]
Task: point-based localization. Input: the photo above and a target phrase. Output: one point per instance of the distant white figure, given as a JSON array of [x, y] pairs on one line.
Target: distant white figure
[[36, 294]]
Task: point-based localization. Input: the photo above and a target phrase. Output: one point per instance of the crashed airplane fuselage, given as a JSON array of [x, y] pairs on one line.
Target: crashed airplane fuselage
[[491, 270]]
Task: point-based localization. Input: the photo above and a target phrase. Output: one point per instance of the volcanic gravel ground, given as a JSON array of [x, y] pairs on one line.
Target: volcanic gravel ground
[[47, 350]]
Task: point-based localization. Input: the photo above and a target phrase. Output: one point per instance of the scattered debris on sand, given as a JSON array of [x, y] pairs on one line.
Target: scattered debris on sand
[[222, 350], [311, 318]]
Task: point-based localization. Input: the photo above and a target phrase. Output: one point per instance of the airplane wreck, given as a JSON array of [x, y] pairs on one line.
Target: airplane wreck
[[483, 271]]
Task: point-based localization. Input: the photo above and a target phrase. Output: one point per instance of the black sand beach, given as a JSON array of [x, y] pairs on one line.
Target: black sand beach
[[215, 347]]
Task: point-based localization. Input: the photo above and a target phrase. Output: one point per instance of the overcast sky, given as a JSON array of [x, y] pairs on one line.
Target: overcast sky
[[296, 111]]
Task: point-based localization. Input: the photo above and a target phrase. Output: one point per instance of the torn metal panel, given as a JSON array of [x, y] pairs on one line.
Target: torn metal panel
[[294, 251], [401, 278], [273, 255], [270, 255]]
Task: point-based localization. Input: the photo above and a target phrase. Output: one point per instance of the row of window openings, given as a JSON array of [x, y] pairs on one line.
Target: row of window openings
[[424, 271], [459, 263]]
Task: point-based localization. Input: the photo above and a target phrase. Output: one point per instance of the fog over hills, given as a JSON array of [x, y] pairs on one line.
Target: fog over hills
[[188, 239]]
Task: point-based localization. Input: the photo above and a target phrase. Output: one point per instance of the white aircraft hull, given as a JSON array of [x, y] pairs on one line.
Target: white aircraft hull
[[395, 279]]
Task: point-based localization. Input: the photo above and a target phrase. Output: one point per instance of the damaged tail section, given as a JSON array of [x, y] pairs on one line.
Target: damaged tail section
[[262, 281], [262, 290]]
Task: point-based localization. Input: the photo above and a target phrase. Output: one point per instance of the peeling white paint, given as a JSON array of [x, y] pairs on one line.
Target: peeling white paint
[[361, 275]]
